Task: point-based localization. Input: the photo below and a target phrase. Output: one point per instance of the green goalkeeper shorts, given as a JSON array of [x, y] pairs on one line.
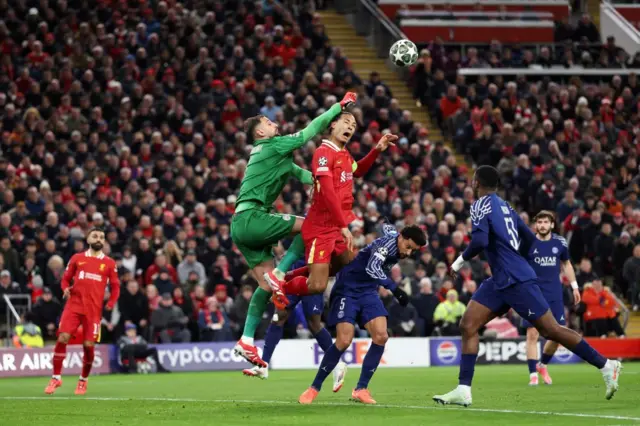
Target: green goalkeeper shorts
[[255, 232]]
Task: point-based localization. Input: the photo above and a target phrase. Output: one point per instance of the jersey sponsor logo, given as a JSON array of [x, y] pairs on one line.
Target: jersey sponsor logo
[[345, 176], [322, 161], [554, 250], [447, 352], [90, 276], [546, 260]]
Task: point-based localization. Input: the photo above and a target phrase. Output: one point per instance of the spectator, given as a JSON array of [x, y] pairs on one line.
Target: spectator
[[425, 303], [214, 323], [133, 348], [448, 314], [600, 316], [27, 334], [47, 311], [604, 246], [134, 307], [585, 273], [169, 322], [153, 297], [238, 312], [224, 301], [631, 275], [469, 288], [191, 264], [402, 321], [7, 285], [154, 270], [163, 281]]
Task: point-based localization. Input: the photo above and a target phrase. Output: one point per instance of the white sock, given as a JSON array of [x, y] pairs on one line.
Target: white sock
[[84, 379], [57, 377], [247, 340], [465, 388], [541, 364], [532, 375], [606, 367], [279, 274]]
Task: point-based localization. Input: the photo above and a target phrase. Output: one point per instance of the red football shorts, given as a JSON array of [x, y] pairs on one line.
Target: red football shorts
[[320, 243], [70, 322]]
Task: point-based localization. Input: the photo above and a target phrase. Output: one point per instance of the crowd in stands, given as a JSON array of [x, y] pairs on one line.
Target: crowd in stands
[[569, 147], [129, 116]]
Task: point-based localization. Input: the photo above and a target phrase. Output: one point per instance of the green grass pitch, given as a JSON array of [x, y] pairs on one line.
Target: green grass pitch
[[500, 397]]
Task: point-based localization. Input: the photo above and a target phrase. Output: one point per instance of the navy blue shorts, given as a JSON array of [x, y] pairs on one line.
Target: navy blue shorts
[[356, 310], [525, 298], [557, 309], [312, 304]]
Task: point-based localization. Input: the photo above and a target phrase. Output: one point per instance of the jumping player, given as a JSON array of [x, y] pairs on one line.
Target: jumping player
[[90, 272], [312, 306], [548, 254], [500, 232], [325, 231], [254, 229], [355, 299]]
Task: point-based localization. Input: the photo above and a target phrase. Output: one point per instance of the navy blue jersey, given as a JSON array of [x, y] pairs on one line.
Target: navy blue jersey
[[500, 232], [370, 267], [546, 259]]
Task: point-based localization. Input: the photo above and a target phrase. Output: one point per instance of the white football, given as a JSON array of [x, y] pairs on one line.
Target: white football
[[403, 53]]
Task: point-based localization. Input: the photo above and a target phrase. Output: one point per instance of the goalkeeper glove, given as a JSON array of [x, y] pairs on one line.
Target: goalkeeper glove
[[401, 296], [348, 101]]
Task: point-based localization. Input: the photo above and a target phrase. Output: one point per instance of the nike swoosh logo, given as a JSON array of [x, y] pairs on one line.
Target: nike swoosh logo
[[81, 263]]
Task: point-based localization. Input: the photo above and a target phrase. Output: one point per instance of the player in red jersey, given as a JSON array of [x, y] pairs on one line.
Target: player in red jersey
[[90, 271], [325, 229]]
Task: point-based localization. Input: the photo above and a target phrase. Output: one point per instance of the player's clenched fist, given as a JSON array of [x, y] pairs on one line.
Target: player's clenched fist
[[348, 101], [386, 141]]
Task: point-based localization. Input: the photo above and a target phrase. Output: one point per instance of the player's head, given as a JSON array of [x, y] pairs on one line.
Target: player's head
[[95, 238], [545, 222], [485, 179], [343, 127], [260, 127], [410, 240]]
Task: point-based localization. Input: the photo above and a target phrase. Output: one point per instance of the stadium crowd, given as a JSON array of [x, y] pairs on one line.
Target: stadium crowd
[[129, 116]]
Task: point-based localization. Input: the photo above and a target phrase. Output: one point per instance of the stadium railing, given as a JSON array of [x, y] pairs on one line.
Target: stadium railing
[[613, 23], [13, 313], [625, 313], [466, 30], [441, 14], [558, 74]]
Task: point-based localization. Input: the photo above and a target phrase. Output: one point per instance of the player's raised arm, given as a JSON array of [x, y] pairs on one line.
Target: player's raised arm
[[286, 144], [114, 285], [304, 176], [365, 163], [527, 237]]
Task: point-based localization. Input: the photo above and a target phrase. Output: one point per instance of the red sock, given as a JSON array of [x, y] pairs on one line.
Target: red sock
[[87, 361], [300, 272], [59, 354], [297, 286]]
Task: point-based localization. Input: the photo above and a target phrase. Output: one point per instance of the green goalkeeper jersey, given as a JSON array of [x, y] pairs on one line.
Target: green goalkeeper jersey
[[271, 162]]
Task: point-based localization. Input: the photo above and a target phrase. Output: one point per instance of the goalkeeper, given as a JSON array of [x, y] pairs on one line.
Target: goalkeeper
[[254, 229]]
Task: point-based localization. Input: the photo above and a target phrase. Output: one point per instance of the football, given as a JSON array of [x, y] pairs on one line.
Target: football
[[403, 53]]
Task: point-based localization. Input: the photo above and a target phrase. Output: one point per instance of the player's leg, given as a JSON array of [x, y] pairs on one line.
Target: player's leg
[[313, 306], [377, 329], [550, 347], [91, 331], [343, 313], [319, 249], [527, 300], [532, 354], [69, 323], [485, 305], [293, 254], [271, 340]]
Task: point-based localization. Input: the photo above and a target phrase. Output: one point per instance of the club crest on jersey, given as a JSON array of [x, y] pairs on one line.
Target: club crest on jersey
[[554, 250], [102, 266], [322, 161], [346, 176], [546, 260]]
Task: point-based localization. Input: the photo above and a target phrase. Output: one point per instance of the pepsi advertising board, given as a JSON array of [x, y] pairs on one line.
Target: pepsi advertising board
[[446, 351]]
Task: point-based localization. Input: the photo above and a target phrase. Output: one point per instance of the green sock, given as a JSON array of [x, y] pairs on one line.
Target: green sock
[[295, 252], [257, 306]]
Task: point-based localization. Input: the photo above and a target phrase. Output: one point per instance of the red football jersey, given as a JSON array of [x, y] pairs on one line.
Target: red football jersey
[[90, 277], [329, 160]]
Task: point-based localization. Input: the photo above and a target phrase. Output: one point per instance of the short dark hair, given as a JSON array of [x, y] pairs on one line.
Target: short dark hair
[[415, 234], [487, 177], [250, 126], [339, 116], [95, 229], [545, 214]]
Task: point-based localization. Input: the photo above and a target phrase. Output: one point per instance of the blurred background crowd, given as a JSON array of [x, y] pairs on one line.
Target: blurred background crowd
[[129, 115]]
